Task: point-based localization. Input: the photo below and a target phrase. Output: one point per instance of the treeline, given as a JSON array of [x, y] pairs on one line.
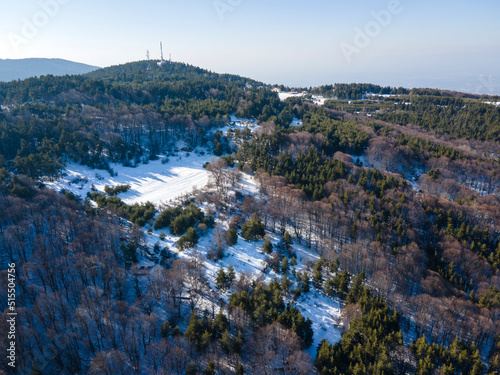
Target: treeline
[[281, 151], [356, 91], [345, 135], [371, 340], [449, 93], [461, 118], [139, 214], [424, 146]]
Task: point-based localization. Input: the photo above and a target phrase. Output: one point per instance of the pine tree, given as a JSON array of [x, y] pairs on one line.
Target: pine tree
[[226, 341], [206, 339], [267, 247], [221, 280], [192, 369], [230, 276], [240, 370], [194, 330], [318, 276], [341, 283], [231, 237], [284, 265], [220, 325], [238, 342], [356, 288], [305, 282], [253, 229], [188, 240], [329, 287], [287, 241], [210, 369]]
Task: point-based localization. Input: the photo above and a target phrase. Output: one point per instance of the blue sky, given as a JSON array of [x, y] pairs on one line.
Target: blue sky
[[446, 44]]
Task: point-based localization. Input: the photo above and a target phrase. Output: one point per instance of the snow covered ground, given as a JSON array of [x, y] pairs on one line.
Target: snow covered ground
[[240, 123], [496, 104], [159, 181], [285, 95], [154, 182], [296, 122], [248, 258], [316, 99], [319, 100]]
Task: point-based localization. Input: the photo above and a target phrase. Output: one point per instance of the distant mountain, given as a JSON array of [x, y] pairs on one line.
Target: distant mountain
[[24, 68]]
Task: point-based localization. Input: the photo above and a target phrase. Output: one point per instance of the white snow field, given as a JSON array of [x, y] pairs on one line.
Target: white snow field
[[157, 182], [154, 182], [316, 99], [285, 95]]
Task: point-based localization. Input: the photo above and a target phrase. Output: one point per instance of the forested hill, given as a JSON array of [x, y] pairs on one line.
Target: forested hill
[[356, 237], [117, 82], [137, 72], [47, 120]]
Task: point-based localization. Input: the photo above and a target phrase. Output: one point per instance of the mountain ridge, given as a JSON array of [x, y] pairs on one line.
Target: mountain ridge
[[14, 69]]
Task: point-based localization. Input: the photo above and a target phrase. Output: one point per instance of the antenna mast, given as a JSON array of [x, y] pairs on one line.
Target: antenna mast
[[162, 62], [148, 69]]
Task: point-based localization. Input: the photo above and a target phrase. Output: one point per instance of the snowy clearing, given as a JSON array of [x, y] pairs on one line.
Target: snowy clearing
[[154, 182], [316, 99], [496, 104], [285, 95]]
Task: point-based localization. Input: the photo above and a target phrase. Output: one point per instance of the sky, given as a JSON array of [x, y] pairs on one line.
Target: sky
[[449, 44]]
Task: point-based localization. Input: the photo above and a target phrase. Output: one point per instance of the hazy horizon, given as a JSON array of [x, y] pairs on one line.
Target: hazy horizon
[[406, 43]]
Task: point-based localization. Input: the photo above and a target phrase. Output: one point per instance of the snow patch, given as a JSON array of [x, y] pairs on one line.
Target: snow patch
[[296, 122], [496, 104], [316, 99]]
